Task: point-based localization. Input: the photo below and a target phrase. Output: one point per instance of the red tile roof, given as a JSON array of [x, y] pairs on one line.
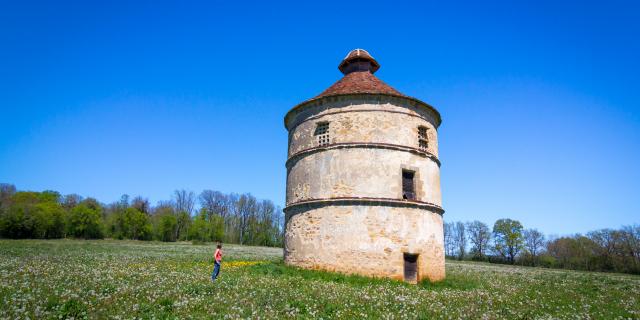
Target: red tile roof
[[358, 68], [359, 82], [358, 55]]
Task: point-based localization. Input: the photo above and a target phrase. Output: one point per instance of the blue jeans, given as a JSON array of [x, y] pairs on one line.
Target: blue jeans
[[216, 270]]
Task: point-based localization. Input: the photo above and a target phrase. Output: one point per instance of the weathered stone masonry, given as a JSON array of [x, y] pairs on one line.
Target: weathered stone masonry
[[348, 149]]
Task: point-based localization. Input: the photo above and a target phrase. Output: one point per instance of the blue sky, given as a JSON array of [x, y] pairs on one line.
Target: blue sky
[[540, 101]]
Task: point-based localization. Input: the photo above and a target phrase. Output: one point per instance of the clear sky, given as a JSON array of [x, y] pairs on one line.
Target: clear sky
[[540, 101]]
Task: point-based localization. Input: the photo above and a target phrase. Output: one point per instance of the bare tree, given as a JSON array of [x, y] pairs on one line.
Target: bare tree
[[124, 201], [214, 202], [606, 240], [460, 239], [185, 201], [141, 204], [267, 228], [631, 244], [449, 245], [479, 236], [246, 207], [71, 200], [533, 243], [6, 191], [280, 225], [231, 219], [163, 207]]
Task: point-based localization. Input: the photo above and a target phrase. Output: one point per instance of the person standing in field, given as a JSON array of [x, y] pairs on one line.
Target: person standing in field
[[217, 256]]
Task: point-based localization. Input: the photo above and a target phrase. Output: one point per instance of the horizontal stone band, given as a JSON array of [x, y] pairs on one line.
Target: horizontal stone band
[[319, 116], [349, 145], [345, 201], [377, 97]]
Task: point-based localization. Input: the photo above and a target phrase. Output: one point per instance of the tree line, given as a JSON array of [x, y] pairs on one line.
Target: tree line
[[209, 216], [607, 250]]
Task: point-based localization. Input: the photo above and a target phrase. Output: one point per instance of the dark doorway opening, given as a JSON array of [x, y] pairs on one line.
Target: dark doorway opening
[[410, 267], [408, 185]]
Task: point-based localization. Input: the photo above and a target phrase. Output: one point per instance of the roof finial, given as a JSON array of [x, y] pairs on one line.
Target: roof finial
[[358, 60]]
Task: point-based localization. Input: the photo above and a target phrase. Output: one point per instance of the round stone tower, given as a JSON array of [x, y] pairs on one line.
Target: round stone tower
[[363, 180]]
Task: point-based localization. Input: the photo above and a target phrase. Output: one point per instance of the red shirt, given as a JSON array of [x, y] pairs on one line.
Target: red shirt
[[218, 255]]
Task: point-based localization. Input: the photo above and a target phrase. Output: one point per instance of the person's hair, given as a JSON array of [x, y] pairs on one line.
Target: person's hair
[[219, 245]]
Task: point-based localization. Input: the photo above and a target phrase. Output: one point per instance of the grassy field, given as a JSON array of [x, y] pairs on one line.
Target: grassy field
[[125, 279]]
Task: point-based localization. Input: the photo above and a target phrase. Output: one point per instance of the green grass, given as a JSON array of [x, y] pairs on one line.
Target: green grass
[[282, 271], [279, 270], [42, 279]]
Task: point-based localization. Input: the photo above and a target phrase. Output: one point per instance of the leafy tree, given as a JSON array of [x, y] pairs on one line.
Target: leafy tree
[[49, 196], [26, 198], [199, 228], [166, 227], [85, 222], [128, 223], [32, 215], [92, 203], [182, 229], [15, 223], [137, 225], [115, 220], [575, 252], [52, 220], [508, 238], [216, 228]]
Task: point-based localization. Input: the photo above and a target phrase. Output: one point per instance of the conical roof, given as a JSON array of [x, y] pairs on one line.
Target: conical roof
[[358, 68], [359, 82]]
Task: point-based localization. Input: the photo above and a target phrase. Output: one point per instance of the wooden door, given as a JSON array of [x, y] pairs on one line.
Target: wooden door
[[410, 267]]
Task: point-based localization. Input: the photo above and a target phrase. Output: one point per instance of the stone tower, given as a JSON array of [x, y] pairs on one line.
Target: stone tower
[[363, 180]]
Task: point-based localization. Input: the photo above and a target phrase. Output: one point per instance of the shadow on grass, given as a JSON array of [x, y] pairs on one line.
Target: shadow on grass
[[280, 270], [452, 282]]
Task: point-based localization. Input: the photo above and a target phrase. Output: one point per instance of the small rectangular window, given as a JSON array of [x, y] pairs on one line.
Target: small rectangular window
[[423, 140], [408, 186], [322, 133]]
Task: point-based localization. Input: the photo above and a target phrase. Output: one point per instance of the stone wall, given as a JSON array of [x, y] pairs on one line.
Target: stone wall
[[362, 121], [366, 240], [345, 210], [361, 172]]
